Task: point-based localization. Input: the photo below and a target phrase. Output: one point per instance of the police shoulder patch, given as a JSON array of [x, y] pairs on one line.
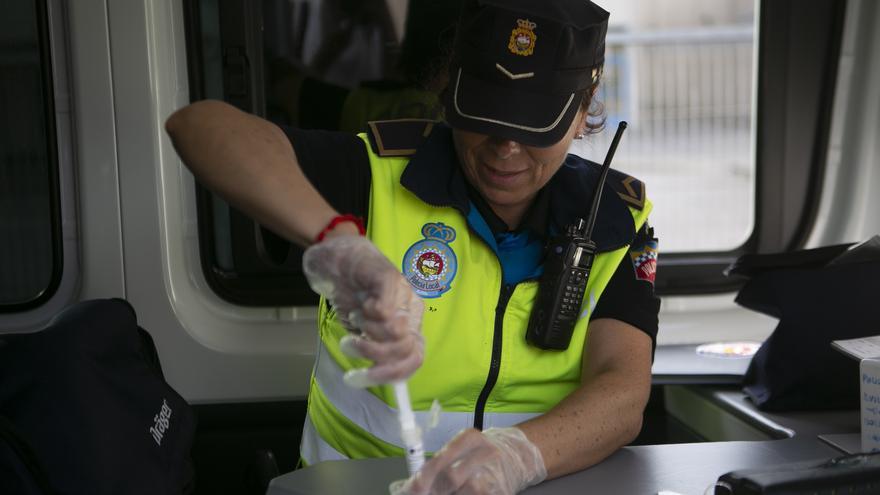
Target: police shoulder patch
[[630, 189], [644, 260], [398, 137]]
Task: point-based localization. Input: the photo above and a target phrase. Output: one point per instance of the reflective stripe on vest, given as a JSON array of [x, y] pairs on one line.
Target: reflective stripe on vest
[[372, 415], [314, 449]]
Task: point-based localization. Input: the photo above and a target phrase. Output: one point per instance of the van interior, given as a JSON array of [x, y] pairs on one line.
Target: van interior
[[754, 125]]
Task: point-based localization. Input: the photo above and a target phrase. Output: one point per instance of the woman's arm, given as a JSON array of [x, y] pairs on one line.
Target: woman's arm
[[605, 413], [602, 415], [250, 163]]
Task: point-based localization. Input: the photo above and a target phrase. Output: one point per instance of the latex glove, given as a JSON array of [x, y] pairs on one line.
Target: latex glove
[[373, 298], [498, 461]]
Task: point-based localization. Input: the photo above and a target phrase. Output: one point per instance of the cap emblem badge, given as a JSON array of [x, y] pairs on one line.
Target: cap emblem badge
[[522, 38], [430, 265]]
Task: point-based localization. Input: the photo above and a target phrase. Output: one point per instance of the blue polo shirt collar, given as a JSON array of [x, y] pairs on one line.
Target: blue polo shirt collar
[[434, 175]]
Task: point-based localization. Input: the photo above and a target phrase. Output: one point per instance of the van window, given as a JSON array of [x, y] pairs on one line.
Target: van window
[[30, 240], [726, 160], [681, 73]]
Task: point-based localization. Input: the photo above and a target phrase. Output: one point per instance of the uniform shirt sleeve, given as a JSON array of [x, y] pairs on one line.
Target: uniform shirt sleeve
[[337, 165], [629, 296]]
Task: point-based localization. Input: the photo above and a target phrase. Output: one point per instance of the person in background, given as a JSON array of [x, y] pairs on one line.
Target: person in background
[[439, 284], [411, 91]]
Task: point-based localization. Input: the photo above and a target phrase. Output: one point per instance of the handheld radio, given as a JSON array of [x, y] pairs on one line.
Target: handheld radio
[[567, 267]]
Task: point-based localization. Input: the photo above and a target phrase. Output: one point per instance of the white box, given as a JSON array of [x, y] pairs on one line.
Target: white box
[[869, 379]]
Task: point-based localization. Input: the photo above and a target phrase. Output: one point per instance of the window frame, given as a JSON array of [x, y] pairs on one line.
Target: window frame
[[798, 42], [277, 286], [784, 216], [44, 44]]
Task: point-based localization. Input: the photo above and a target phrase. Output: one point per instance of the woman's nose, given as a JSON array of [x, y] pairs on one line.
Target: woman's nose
[[505, 148]]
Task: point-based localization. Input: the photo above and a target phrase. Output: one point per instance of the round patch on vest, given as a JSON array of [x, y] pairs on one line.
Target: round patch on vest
[[430, 264]]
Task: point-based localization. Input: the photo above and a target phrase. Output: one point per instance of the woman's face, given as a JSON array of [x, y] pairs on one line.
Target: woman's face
[[508, 174]]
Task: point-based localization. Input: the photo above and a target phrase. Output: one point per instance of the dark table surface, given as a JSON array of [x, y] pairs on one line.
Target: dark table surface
[[683, 468], [687, 468]]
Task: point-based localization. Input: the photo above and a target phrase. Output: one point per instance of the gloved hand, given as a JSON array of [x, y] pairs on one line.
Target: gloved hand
[[371, 296], [498, 461]]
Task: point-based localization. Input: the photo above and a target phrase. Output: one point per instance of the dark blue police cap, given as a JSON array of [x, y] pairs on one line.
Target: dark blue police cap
[[520, 67]]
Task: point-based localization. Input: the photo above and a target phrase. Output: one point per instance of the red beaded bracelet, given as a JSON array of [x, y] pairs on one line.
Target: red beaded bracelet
[[339, 219]]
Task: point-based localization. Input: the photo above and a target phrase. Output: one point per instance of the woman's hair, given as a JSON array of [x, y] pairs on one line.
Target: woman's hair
[[594, 108]]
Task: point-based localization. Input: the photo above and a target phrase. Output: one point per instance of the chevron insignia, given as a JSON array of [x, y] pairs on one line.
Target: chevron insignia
[[630, 189], [398, 137]]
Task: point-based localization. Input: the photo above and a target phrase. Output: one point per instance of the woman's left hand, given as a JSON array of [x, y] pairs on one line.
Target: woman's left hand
[[498, 461]]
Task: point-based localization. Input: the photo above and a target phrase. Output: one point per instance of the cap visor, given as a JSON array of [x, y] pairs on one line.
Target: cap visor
[[533, 119]]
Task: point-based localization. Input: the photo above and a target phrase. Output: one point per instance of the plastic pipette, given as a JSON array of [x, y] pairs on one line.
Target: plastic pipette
[[409, 430]]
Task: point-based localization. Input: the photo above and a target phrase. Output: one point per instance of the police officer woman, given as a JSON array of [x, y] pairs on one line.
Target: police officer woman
[[442, 281]]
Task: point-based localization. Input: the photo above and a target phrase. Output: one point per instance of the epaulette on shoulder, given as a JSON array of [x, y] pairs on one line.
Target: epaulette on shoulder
[[630, 189], [398, 137]]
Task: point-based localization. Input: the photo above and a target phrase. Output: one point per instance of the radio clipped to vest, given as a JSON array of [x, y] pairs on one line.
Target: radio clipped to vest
[[567, 267]]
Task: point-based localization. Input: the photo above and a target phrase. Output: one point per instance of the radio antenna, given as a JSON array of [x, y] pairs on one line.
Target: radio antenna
[[594, 209]]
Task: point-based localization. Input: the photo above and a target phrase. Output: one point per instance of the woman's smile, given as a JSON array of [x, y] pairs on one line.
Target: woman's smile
[[508, 174], [499, 177]]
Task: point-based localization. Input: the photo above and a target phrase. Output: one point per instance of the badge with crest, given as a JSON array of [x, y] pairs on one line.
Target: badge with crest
[[644, 260], [523, 37], [430, 264]]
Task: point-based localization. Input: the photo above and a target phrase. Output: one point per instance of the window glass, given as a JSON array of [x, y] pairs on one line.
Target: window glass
[[305, 63], [337, 64], [29, 229], [681, 73]]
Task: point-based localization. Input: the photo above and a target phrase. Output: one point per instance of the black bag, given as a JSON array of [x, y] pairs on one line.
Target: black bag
[[856, 473], [819, 295], [85, 409]]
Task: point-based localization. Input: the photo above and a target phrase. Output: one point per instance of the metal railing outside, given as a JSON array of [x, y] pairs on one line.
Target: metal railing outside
[[688, 98]]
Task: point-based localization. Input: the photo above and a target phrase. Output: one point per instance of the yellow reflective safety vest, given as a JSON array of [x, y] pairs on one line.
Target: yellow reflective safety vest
[[478, 365]]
